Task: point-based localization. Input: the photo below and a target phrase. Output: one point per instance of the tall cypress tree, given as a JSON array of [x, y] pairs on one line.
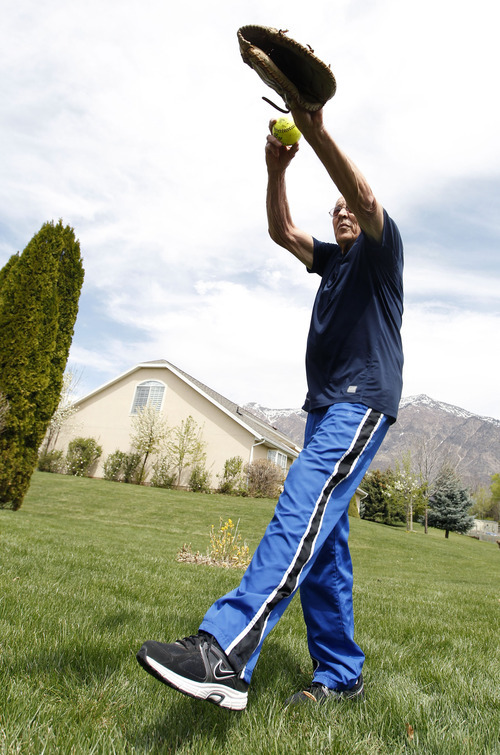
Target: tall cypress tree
[[69, 284], [4, 272], [39, 296]]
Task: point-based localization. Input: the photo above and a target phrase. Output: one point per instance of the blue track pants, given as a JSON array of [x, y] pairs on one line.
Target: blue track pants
[[305, 545]]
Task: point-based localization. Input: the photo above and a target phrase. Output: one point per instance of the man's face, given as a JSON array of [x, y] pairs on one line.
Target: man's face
[[345, 225]]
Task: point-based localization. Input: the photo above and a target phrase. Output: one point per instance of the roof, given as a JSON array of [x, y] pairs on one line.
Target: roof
[[261, 430]]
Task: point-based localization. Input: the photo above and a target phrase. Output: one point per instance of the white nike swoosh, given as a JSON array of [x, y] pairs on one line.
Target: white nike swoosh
[[220, 673]]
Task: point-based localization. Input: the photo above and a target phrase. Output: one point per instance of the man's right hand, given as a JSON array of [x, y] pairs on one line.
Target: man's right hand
[[281, 226], [278, 156]]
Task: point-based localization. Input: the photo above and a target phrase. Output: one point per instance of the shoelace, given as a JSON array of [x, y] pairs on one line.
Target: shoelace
[[195, 640]]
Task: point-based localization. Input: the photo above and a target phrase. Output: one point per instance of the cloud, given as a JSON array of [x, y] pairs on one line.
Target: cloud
[[120, 119], [451, 354], [437, 284], [246, 342]]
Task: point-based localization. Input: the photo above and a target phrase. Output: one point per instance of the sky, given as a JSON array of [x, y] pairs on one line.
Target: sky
[[140, 126]]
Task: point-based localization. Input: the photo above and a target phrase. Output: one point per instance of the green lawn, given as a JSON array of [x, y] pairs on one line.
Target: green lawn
[[88, 572]]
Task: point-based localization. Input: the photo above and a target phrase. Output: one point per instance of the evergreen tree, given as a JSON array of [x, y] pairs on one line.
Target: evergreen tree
[[69, 284], [39, 294], [380, 505], [4, 409], [4, 272], [450, 504]]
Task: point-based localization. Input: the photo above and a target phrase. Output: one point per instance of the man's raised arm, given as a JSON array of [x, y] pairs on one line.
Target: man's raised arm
[[346, 176], [282, 229]]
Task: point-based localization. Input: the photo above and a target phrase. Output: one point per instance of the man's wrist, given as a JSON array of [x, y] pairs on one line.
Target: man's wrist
[[318, 137]]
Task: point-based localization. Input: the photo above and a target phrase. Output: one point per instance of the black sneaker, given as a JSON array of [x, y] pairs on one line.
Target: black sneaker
[[318, 693], [198, 667]]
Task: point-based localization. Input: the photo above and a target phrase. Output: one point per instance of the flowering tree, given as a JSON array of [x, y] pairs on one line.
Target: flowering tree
[[186, 448], [406, 488], [65, 410], [150, 434]]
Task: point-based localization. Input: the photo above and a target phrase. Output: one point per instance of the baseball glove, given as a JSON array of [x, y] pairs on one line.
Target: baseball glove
[[293, 71]]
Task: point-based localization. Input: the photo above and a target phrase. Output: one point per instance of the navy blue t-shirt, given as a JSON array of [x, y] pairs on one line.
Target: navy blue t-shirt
[[354, 351]]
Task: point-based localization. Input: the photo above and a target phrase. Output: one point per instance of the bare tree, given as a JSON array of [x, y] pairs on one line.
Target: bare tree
[[65, 409], [428, 459]]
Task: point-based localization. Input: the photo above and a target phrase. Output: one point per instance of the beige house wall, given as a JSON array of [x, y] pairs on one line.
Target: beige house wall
[[106, 416]]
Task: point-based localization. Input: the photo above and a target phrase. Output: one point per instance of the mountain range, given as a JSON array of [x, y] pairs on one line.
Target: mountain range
[[434, 432]]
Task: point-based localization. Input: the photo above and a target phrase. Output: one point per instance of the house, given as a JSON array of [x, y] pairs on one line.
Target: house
[[228, 430], [484, 529]]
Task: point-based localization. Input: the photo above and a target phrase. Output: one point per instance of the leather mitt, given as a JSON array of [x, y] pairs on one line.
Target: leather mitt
[[291, 69]]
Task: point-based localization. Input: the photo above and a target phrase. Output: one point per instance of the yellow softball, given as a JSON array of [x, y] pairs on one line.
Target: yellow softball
[[286, 131]]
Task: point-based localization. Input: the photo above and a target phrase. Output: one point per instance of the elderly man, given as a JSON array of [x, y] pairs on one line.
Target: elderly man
[[354, 364]]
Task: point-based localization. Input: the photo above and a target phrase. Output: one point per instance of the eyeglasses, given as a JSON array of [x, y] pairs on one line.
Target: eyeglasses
[[335, 211]]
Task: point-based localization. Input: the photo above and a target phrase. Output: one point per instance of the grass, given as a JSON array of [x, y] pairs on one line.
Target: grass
[[88, 572]]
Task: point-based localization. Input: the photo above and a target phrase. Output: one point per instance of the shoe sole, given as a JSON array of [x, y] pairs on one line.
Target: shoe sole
[[212, 692]]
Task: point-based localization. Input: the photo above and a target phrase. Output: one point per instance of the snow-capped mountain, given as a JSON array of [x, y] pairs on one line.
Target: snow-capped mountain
[[290, 421], [423, 400], [445, 432]]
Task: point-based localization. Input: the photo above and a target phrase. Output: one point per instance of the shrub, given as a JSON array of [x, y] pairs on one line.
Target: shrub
[[123, 467], [113, 466], [131, 467], [199, 481], [51, 461], [163, 476], [82, 455], [226, 548], [353, 508], [265, 479], [232, 482]]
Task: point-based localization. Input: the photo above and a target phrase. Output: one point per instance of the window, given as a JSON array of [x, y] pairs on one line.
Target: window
[[148, 393], [277, 458]]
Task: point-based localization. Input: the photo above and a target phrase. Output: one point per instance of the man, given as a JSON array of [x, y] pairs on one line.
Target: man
[[354, 364]]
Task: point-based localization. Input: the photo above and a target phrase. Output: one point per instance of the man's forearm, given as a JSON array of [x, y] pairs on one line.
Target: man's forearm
[[348, 179], [346, 176], [282, 229], [278, 211]]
